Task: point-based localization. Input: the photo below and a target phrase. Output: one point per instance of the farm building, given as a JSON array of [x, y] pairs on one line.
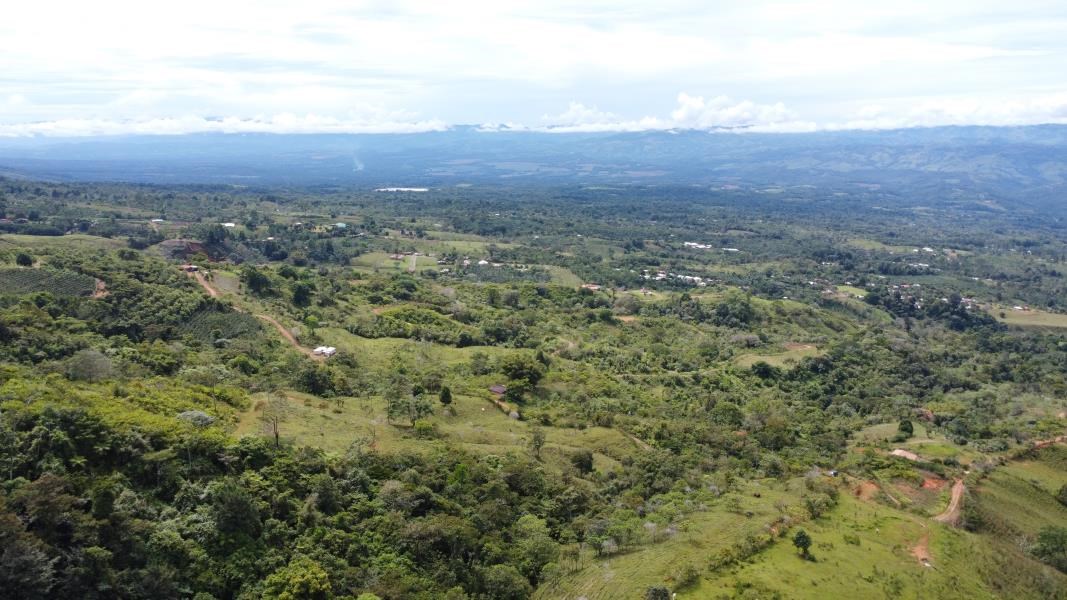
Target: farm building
[[326, 351], [498, 389], [190, 268]]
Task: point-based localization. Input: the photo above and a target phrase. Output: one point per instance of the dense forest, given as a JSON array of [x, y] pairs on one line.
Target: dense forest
[[530, 392]]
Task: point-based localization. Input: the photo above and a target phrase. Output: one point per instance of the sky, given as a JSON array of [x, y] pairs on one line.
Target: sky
[[119, 67]]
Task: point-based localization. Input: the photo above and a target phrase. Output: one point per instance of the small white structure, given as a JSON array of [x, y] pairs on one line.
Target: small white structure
[[229, 225], [157, 220], [326, 351]]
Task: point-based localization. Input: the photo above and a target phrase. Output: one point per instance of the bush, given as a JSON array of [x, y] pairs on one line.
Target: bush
[[425, 430]]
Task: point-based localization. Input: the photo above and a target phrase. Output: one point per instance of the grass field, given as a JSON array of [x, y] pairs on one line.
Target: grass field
[[865, 244], [853, 290], [927, 445], [866, 550], [383, 261], [1018, 498], [76, 241], [1030, 318], [478, 426], [886, 431], [627, 575], [791, 355], [562, 276]]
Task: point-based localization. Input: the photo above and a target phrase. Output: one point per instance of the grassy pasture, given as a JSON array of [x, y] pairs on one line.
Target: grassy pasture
[[1030, 318], [478, 426], [882, 564], [1018, 498], [866, 244], [628, 574], [791, 355], [74, 241]]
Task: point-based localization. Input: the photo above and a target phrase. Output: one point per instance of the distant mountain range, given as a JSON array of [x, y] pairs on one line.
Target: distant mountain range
[[998, 162]]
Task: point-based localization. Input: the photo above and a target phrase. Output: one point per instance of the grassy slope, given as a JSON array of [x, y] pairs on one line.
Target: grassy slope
[[627, 575], [478, 426], [1018, 499], [1030, 318], [74, 241], [882, 565]]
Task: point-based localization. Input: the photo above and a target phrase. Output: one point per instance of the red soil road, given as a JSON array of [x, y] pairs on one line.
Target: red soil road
[[951, 515]]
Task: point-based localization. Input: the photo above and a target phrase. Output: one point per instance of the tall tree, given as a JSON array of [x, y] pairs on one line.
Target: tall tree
[[275, 412]]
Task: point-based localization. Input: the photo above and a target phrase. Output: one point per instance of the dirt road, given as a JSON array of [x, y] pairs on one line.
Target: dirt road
[[285, 333], [951, 515], [204, 284], [921, 551], [1055, 440]]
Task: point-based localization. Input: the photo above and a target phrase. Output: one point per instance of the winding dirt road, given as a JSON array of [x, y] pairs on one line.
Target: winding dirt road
[[951, 515], [289, 337], [285, 333]]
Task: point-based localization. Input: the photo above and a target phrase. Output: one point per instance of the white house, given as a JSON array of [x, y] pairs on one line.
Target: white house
[[326, 351]]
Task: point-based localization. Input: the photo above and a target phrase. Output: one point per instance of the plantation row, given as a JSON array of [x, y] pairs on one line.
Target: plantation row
[[58, 283]]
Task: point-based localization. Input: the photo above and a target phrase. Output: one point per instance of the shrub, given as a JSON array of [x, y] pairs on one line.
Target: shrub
[[425, 430]]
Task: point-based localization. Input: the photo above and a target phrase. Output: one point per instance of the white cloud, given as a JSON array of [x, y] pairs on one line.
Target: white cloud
[[281, 123], [124, 62], [692, 112], [1032, 110]]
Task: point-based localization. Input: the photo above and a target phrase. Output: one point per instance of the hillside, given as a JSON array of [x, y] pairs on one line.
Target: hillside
[[543, 392]]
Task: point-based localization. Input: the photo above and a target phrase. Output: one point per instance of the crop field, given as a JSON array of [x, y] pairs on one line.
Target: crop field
[[208, 325], [59, 283]]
